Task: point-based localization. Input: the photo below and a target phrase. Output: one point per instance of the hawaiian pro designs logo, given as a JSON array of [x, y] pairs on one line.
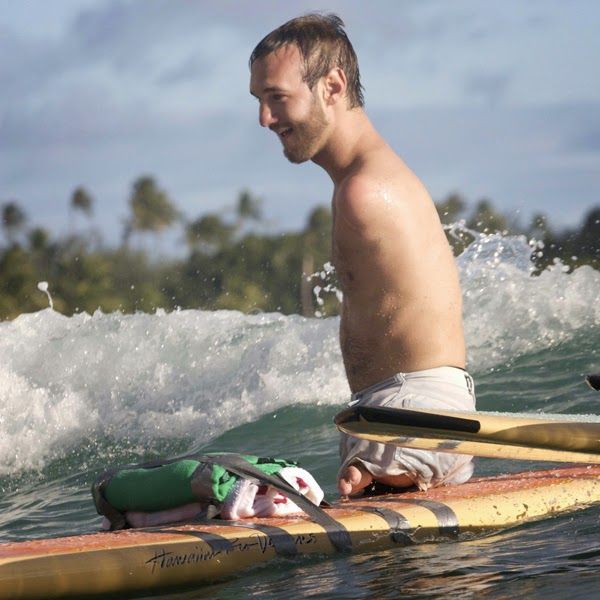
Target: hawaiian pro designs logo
[[163, 559]]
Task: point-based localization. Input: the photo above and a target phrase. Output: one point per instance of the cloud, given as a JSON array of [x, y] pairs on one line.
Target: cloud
[[587, 141], [491, 87], [162, 87], [515, 156], [583, 136], [192, 68], [117, 45]]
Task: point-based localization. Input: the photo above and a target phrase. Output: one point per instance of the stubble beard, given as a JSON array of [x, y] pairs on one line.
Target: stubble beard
[[306, 136]]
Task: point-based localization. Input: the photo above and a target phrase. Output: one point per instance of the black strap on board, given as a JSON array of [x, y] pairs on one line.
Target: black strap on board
[[235, 464], [406, 418]]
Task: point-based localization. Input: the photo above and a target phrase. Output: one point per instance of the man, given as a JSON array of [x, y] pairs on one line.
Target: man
[[401, 324]]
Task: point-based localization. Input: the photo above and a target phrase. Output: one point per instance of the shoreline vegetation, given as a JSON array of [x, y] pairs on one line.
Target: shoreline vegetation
[[229, 263]]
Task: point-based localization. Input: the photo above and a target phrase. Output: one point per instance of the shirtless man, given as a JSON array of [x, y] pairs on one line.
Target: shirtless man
[[401, 326]]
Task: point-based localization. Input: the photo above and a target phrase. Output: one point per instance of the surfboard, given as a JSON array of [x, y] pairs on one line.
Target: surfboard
[[522, 437], [191, 554]]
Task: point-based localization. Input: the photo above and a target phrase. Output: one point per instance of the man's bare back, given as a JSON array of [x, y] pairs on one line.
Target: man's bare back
[[402, 309]]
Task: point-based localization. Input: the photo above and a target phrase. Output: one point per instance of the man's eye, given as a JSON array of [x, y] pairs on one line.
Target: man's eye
[[278, 97]]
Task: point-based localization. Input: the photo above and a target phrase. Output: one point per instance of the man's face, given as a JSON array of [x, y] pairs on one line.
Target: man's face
[[287, 105]]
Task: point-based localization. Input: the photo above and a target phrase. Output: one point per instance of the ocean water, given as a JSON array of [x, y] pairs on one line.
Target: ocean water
[[79, 394]]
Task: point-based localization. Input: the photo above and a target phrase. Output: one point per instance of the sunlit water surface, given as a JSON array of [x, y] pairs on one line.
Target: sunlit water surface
[[81, 393]]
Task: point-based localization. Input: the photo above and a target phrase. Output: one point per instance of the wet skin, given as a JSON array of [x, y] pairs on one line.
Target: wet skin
[[402, 306]]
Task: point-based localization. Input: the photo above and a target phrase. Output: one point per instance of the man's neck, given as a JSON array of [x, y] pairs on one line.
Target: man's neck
[[353, 137]]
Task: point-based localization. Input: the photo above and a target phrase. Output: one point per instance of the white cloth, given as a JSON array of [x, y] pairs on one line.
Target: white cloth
[[446, 388], [247, 499]]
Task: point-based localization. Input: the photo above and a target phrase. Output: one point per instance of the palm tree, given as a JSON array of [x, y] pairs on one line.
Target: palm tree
[[208, 233], [248, 207], [151, 208], [13, 219], [38, 239], [82, 201]]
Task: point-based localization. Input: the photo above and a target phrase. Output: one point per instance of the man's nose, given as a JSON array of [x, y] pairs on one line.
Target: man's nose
[[265, 116]]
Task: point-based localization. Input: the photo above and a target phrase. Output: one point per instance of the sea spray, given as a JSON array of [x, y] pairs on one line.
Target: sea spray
[[191, 373], [509, 311], [43, 287], [326, 283], [189, 376]]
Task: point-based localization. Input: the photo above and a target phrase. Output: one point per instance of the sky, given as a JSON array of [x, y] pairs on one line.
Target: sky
[[489, 99]]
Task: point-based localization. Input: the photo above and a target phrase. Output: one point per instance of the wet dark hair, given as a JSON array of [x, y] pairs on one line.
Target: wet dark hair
[[323, 45]]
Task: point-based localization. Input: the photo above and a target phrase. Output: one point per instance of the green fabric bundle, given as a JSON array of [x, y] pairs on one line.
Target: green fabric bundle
[[172, 484]]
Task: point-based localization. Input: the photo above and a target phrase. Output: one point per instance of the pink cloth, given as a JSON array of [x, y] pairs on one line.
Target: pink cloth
[[250, 500], [245, 500]]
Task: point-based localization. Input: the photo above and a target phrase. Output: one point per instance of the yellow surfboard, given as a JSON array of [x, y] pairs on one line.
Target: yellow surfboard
[[521, 437], [196, 553]]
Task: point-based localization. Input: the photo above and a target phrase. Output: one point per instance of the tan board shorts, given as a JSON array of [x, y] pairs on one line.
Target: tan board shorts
[[446, 388]]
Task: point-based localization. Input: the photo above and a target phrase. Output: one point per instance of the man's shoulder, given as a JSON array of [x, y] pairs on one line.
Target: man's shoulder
[[367, 180], [358, 186], [376, 192], [358, 199]]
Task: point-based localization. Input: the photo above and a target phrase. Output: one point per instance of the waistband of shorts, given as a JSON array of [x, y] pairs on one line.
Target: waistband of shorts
[[451, 374]]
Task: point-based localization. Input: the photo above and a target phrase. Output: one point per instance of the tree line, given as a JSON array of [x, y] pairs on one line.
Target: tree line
[[229, 263]]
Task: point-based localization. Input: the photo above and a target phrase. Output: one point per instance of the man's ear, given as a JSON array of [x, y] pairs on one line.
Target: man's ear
[[335, 85]]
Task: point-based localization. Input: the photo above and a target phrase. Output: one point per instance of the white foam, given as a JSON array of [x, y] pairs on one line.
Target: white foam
[[508, 312], [142, 377]]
